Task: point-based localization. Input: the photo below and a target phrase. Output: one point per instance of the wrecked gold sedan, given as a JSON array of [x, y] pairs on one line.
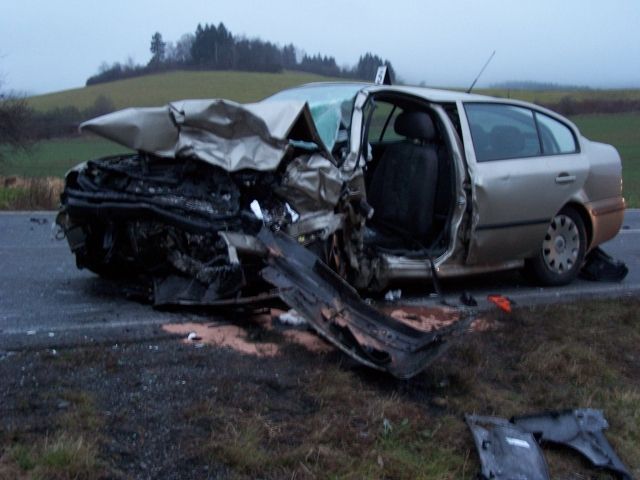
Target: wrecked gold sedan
[[327, 190]]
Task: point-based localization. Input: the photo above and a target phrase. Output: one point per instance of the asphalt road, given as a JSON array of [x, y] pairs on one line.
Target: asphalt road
[[46, 301]]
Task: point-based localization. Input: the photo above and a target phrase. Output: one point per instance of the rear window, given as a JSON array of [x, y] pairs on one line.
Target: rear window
[[556, 137]]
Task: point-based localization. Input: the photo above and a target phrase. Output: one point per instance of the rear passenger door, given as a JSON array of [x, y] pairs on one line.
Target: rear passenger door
[[525, 166]]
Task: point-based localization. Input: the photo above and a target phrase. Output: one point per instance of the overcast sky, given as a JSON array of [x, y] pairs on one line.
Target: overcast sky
[[50, 45]]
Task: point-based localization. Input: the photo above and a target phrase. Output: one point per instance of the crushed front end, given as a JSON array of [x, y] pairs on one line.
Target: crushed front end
[[223, 202]]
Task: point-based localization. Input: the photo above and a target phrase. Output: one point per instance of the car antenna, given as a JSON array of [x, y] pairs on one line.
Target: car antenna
[[482, 70]]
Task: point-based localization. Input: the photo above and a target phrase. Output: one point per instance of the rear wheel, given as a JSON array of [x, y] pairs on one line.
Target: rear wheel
[[562, 251]]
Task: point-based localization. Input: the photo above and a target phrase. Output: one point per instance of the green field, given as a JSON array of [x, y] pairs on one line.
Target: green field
[[153, 90], [554, 96], [621, 130], [52, 158]]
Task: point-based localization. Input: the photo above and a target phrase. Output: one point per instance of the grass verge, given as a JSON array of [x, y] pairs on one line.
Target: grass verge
[[68, 449], [18, 193], [357, 424], [62, 457]]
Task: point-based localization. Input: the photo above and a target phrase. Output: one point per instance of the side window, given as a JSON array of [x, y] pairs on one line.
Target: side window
[[385, 114], [501, 132], [390, 134], [556, 137]]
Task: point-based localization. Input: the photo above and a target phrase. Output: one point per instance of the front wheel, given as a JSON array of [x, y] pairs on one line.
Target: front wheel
[[562, 251]]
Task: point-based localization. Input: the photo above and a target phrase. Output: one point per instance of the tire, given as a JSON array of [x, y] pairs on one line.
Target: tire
[[562, 252]]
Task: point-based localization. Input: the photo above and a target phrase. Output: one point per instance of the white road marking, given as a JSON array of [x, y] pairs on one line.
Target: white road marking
[[33, 247], [26, 213], [45, 329], [630, 230], [80, 309]]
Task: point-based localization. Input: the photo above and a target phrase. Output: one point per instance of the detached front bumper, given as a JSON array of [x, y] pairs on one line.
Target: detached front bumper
[[337, 313]]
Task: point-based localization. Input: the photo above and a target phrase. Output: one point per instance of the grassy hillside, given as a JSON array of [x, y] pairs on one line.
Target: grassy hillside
[[554, 96], [52, 158], [159, 89]]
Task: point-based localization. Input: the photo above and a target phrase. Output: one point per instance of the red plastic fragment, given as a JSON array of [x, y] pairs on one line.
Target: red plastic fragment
[[502, 302]]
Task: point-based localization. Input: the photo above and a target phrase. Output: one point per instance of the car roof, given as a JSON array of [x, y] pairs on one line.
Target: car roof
[[447, 96], [432, 94]]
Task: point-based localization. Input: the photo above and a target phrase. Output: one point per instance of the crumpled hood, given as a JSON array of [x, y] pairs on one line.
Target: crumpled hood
[[227, 134]]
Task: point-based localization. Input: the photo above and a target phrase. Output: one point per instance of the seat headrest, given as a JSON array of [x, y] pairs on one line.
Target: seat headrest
[[507, 141], [416, 125]]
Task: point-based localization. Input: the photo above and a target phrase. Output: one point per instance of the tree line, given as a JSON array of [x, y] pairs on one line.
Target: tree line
[[21, 126], [15, 116], [213, 47]]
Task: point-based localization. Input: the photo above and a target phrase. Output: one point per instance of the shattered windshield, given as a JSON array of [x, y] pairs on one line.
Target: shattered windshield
[[331, 107]]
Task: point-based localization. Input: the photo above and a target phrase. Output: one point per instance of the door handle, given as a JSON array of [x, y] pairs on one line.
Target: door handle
[[564, 177]]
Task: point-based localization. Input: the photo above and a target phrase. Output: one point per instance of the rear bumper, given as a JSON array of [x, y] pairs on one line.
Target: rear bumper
[[606, 219]]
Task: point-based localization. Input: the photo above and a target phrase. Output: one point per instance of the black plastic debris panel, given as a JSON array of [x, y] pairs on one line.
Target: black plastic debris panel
[[580, 429], [508, 449], [183, 290], [601, 267]]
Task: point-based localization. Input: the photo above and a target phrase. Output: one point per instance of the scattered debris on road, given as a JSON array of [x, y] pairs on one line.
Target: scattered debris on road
[[502, 302], [194, 337], [467, 299], [292, 317], [393, 295], [601, 267]]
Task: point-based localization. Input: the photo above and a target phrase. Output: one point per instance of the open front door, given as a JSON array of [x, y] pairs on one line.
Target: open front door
[[388, 121]]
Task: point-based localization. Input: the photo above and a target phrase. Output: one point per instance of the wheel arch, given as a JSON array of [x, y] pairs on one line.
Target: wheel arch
[[586, 219]]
